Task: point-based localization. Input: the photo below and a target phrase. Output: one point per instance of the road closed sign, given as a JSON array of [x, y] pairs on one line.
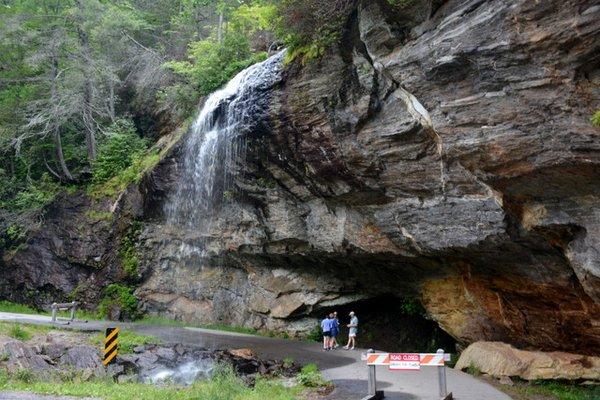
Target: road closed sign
[[405, 361]]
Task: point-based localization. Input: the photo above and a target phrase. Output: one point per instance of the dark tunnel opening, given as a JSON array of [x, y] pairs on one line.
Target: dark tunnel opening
[[392, 324]]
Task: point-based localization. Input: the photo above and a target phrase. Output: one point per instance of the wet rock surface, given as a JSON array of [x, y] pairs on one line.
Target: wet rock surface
[[156, 364], [453, 163], [445, 156]]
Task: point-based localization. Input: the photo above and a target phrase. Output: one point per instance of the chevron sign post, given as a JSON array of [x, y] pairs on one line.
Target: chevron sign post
[[111, 345]]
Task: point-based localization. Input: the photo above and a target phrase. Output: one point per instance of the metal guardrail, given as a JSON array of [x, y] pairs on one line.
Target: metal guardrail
[[56, 307], [412, 361]]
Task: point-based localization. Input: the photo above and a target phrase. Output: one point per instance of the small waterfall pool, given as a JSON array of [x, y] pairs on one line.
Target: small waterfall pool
[[184, 374]]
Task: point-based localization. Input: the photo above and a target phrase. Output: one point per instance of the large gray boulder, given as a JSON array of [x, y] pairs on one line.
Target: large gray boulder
[[500, 359]]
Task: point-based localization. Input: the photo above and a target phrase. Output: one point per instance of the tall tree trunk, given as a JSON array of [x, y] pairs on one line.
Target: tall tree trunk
[[58, 150], [220, 28], [88, 119], [111, 99]]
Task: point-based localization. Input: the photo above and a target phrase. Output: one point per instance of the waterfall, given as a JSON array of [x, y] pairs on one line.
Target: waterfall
[[215, 146]]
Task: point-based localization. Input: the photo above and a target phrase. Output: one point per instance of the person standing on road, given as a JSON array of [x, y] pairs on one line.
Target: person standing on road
[[353, 330], [335, 329], [326, 328]]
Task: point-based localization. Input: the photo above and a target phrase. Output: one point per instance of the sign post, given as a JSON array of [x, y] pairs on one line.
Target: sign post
[[442, 377], [373, 359], [406, 362], [111, 345]]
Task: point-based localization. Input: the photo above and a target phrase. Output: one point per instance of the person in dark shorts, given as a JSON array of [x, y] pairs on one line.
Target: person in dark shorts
[[335, 329], [326, 328]]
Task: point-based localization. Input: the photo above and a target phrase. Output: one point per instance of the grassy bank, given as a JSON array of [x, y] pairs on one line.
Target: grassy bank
[[547, 390], [128, 340], [224, 386], [551, 390], [22, 332]]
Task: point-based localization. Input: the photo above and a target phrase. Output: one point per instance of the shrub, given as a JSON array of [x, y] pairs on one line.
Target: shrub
[[36, 194], [120, 298], [473, 370], [120, 149], [128, 252], [288, 362], [124, 178], [412, 306], [315, 334], [311, 377], [15, 233], [211, 64], [595, 120], [308, 27]]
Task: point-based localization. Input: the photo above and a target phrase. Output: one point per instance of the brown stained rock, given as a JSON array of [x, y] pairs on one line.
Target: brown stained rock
[[502, 360], [247, 354]]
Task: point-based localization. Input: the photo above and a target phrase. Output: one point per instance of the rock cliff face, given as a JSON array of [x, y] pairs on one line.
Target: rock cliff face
[[446, 157]]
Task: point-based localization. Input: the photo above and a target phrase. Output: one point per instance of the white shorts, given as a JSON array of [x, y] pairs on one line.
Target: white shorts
[[352, 335]]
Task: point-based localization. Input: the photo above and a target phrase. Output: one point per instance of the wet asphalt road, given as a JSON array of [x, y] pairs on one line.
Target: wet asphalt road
[[344, 368]]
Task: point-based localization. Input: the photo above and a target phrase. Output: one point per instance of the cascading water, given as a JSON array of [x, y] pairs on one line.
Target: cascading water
[[215, 147]]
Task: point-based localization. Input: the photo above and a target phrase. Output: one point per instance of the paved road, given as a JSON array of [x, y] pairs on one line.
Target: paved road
[[344, 368]]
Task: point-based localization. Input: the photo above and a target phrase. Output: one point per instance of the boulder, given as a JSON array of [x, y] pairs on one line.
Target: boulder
[[23, 357], [503, 360], [166, 353], [84, 357]]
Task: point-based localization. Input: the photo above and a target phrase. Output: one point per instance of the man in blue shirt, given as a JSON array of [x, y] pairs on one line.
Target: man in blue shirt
[[326, 328]]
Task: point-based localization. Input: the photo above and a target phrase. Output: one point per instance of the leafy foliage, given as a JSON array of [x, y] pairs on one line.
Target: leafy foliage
[[118, 297], [412, 306], [128, 252], [212, 64], [309, 27], [213, 61], [310, 376], [596, 119], [122, 147]]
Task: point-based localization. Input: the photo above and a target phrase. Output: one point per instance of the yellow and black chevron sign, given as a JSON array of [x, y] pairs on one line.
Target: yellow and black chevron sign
[[111, 345]]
